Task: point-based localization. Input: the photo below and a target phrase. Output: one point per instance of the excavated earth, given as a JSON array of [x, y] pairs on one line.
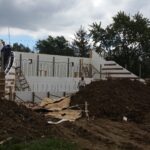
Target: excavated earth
[[114, 99], [108, 101], [19, 122]]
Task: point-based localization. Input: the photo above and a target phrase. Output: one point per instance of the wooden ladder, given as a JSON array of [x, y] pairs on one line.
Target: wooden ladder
[[21, 82]]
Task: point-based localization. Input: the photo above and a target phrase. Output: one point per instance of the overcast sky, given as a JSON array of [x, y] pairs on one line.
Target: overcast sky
[[30, 20]]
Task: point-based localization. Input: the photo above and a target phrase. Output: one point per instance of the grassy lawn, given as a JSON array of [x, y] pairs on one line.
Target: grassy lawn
[[43, 144]]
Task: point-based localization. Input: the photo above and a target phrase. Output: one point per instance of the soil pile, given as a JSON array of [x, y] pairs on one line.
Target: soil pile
[[19, 122], [116, 98]]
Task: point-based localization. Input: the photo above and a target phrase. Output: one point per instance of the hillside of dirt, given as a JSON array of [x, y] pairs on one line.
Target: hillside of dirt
[[19, 122], [104, 134], [114, 99]]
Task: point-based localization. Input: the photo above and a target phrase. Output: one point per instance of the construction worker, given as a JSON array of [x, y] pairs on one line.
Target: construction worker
[[81, 84]]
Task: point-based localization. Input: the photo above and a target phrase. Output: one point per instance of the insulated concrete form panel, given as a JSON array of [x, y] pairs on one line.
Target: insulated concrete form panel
[[97, 60], [49, 65], [54, 84]]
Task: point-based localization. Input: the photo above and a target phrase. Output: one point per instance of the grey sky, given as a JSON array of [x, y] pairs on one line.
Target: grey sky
[[39, 18]]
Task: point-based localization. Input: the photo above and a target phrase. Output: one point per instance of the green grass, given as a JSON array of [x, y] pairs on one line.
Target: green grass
[[42, 144]]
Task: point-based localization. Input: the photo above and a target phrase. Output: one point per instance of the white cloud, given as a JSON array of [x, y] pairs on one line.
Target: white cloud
[[58, 17]]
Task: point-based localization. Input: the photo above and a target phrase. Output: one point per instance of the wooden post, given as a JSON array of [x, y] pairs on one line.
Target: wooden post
[[10, 93], [45, 73], [14, 96], [80, 67], [86, 110], [53, 66], [37, 66], [68, 67], [90, 70], [64, 94], [20, 63], [33, 97], [100, 72], [48, 94]]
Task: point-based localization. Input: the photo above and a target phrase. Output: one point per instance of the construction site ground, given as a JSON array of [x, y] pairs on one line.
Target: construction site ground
[[108, 102]]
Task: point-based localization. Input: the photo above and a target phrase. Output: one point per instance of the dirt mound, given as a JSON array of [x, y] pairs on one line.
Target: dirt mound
[[104, 134], [116, 98], [19, 122]]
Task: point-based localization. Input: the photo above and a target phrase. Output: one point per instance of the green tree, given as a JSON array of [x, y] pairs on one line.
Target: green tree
[[126, 40], [132, 42], [102, 38], [20, 48], [81, 43], [55, 46]]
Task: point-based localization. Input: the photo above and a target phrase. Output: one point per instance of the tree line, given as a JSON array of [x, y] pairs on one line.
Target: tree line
[[126, 40]]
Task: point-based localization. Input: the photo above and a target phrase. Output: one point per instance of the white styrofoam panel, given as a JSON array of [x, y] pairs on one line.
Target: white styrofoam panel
[[46, 64], [54, 84]]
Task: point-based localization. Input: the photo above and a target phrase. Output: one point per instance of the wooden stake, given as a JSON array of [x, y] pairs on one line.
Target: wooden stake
[[86, 110]]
